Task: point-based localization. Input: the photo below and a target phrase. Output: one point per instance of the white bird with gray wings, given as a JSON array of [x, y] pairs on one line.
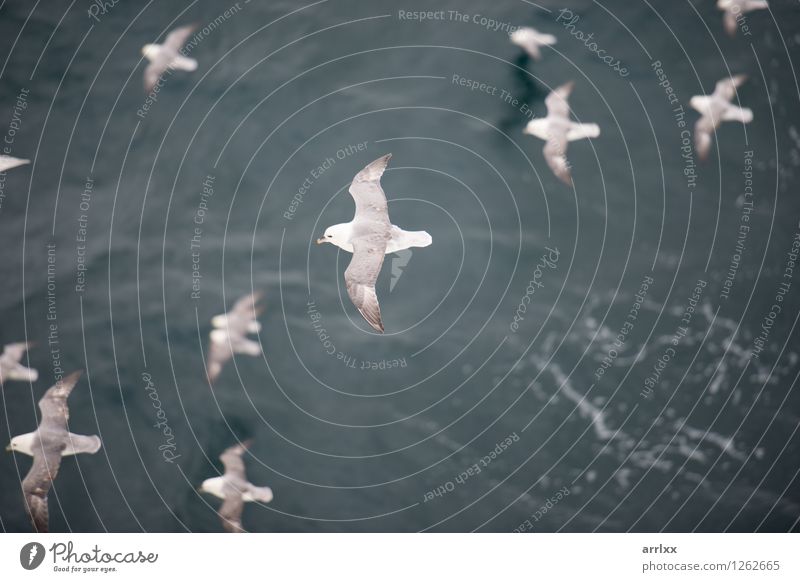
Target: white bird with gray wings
[[370, 236]]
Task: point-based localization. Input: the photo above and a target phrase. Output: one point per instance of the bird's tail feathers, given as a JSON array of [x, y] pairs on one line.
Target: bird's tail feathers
[[547, 39], [183, 63], [742, 114], [755, 5], [262, 494], [420, 238], [583, 130], [79, 443]]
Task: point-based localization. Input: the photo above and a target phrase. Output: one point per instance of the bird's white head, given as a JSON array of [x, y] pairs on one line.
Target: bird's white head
[[701, 104], [22, 444], [151, 51], [538, 127], [338, 234], [219, 336], [521, 36]]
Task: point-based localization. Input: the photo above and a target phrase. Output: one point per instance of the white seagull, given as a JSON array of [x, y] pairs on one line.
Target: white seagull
[[734, 8], [716, 108], [557, 129], [229, 335], [531, 40], [370, 236], [10, 366], [234, 488], [8, 162], [167, 56], [51, 441]]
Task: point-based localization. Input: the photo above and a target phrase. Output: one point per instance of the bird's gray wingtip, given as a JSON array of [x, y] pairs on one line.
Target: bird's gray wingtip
[[375, 321], [374, 170], [72, 378]]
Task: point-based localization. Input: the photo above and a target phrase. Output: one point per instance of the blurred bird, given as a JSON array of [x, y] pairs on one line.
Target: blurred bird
[[167, 56], [10, 366], [229, 335], [557, 129], [716, 108], [734, 8], [47, 445], [531, 40], [234, 488]]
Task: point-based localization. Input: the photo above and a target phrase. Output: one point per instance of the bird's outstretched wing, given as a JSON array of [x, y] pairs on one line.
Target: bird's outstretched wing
[[247, 306], [230, 512], [153, 73], [557, 101], [178, 37], [55, 412], [36, 485], [15, 351], [232, 460], [361, 274], [726, 88], [729, 21], [219, 352], [371, 233], [368, 195], [703, 135], [555, 154]]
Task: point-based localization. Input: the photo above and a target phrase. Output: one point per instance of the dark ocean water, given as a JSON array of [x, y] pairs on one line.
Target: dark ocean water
[[455, 420]]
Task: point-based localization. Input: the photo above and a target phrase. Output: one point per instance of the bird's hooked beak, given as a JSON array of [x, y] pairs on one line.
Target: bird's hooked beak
[[8, 448], [321, 240]]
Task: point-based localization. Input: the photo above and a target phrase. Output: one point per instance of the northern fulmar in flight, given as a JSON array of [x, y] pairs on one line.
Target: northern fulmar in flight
[[234, 488], [735, 9], [229, 335], [370, 236], [11, 367], [557, 129], [9, 162], [167, 56], [47, 445], [531, 40], [716, 108]]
